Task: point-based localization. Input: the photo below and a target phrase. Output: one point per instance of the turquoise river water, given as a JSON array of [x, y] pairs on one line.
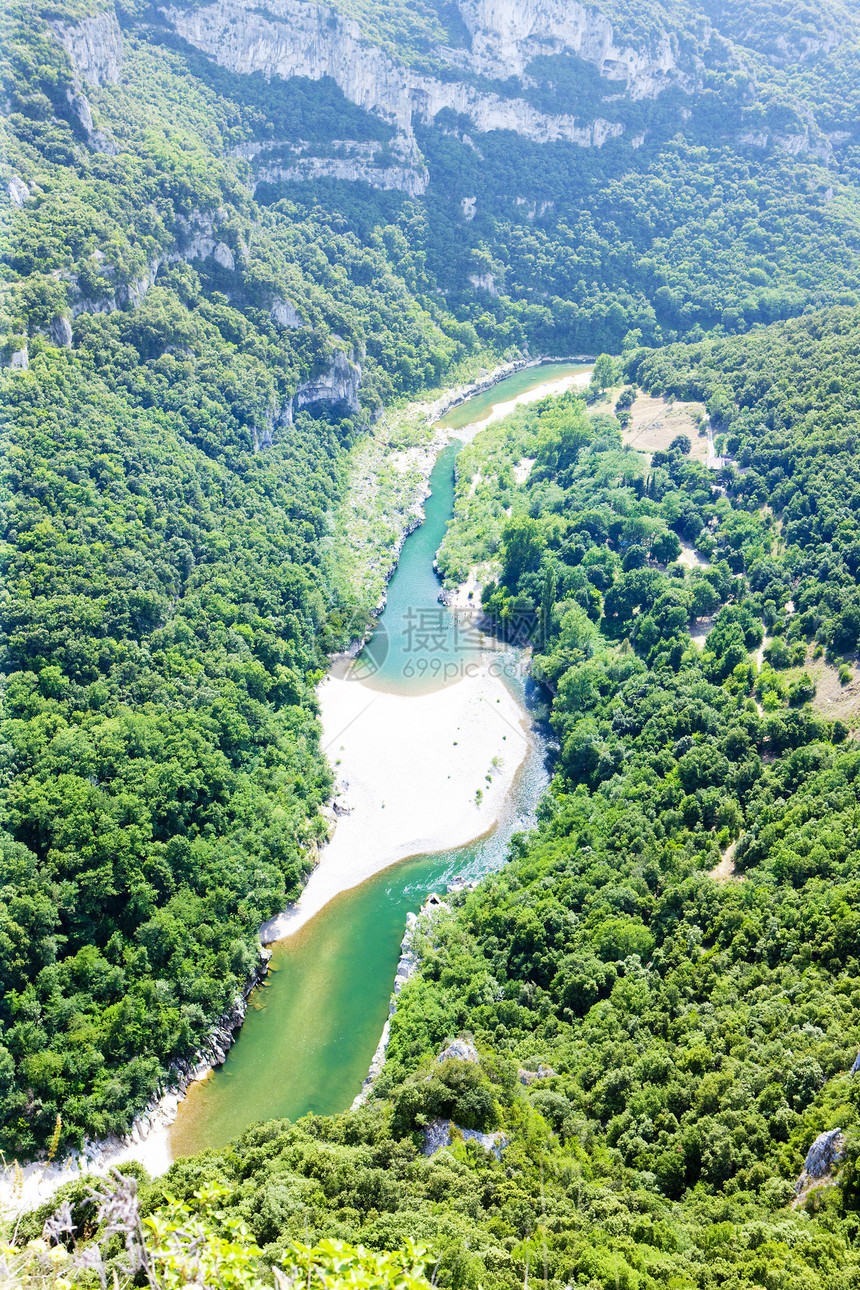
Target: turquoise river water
[[312, 1029]]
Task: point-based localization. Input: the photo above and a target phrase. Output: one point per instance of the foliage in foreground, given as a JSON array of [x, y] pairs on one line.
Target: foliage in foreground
[[106, 1237]]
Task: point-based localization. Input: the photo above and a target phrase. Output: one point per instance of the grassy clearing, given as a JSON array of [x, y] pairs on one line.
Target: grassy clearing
[[655, 422]]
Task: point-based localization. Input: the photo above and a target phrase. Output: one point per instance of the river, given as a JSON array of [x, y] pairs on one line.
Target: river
[[312, 1029]]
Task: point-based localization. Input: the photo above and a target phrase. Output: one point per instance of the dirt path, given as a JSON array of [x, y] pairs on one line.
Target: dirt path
[[725, 870]]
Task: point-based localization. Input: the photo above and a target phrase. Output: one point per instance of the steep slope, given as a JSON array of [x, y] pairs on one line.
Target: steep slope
[[230, 236], [184, 377], [656, 1001]]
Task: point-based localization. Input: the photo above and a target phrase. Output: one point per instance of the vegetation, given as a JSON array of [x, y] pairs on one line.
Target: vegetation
[[662, 983], [659, 1041], [166, 607], [180, 1243]]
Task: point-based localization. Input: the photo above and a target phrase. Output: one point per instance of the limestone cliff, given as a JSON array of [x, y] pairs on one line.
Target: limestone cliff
[[398, 166], [508, 34], [292, 38], [197, 239], [338, 383], [94, 46]]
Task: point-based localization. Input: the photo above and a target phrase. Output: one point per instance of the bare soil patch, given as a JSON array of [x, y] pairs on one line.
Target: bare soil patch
[[655, 422], [833, 699], [725, 870], [691, 558]]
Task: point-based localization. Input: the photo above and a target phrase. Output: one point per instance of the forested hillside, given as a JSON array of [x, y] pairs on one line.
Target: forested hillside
[[662, 983], [231, 236], [176, 434]]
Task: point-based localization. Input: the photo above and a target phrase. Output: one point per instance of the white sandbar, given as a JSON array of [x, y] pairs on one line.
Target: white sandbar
[[558, 385], [411, 767]]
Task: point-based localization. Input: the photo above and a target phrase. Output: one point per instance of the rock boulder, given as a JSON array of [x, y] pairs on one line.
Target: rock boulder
[[461, 1050], [821, 1159]]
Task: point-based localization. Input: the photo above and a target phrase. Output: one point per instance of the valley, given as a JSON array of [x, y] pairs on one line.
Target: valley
[[429, 482]]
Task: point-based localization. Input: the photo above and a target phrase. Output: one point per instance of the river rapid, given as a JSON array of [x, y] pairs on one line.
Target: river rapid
[[312, 1028]]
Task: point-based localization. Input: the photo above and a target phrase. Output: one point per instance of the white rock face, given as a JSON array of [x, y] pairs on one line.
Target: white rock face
[[61, 332], [300, 39], [398, 167], [338, 384], [388, 178], [197, 241], [821, 1160], [461, 1050], [285, 314], [803, 47], [95, 47], [135, 291], [810, 143], [484, 282], [18, 191], [508, 34], [20, 360], [224, 256], [80, 105]]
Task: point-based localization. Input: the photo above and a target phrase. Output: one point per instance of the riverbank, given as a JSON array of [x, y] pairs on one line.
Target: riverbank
[[389, 477], [447, 761], [552, 387], [419, 774], [148, 1141]]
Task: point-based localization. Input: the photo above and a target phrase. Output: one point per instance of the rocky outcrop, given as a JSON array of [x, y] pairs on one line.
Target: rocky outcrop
[[460, 1050], [337, 384], [196, 236], [61, 332], [440, 1134], [196, 239], [80, 105], [296, 39], [292, 38], [126, 293], [18, 191], [798, 48], [821, 1160], [19, 359], [387, 178], [533, 1077], [810, 141], [224, 256], [508, 34], [264, 436], [484, 282], [391, 167], [285, 314], [94, 46]]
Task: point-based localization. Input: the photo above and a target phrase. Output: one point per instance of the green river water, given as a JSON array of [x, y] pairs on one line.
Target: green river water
[[312, 1029]]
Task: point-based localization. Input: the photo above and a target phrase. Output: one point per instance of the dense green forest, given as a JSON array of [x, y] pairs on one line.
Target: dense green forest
[[165, 608], [695, 1030], [190, 358]]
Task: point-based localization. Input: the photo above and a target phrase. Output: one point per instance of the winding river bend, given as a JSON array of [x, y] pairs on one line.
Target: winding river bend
[[312, 1029]]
